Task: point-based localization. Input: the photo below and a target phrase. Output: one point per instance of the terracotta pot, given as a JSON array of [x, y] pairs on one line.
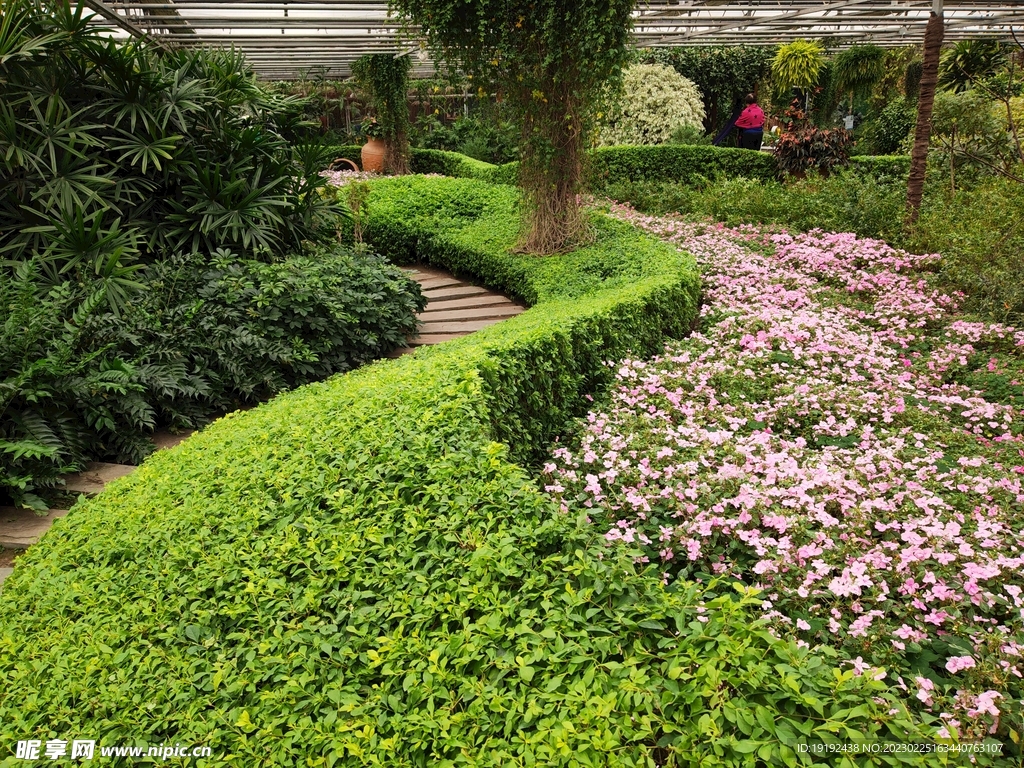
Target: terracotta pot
[[372, 155]]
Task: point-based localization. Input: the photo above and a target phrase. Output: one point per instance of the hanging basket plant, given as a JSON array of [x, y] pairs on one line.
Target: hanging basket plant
[[858, 68], [797, 65]]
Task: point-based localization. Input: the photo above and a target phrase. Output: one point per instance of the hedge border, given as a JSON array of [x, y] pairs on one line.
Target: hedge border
[[290, 584]]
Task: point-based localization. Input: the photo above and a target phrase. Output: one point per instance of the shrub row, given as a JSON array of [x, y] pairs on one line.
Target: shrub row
[[355, 573], [882, 167], [686, 164], [666, 162], [79, 382], [682, 163], [440, 162]]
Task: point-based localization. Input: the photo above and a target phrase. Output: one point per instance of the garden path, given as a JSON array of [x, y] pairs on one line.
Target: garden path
[[454, 308]]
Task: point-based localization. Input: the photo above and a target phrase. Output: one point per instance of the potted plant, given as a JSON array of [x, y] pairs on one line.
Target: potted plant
[[372, 153]]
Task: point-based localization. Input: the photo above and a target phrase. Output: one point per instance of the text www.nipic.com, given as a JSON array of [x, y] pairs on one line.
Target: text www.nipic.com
[[160, 751], [86, 749]]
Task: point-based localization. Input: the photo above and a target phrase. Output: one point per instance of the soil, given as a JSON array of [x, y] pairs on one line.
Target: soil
[[7, 557]]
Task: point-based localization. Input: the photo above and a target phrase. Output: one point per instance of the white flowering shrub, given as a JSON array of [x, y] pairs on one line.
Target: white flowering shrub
[[655, 101]]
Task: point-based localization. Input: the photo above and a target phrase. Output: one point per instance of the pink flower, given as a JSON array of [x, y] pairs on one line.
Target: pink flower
[[956, 663]]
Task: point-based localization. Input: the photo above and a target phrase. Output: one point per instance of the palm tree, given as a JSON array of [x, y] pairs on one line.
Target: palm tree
[[922, 135]]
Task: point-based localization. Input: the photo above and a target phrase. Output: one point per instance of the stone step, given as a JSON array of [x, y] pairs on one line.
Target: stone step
[[164, 439], [440, 294], [20, 528], [439, 282], [477, 313], [95, 475], [470, 302], [4, 573], [426, 339], [456, 327]]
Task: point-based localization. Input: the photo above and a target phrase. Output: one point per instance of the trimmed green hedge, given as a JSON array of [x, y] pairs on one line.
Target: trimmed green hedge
[[665, 162], [683, 163], [355, 573], [882, 167], [444, 163]]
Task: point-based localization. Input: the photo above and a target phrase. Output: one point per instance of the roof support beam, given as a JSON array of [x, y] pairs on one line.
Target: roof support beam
[[123, 22]]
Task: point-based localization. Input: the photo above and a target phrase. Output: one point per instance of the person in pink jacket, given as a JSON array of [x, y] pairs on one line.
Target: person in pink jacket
[[751, 124]]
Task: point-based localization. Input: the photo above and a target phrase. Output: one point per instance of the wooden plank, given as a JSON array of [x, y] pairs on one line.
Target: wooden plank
[[477, 313], [425, 271], [163, 439]]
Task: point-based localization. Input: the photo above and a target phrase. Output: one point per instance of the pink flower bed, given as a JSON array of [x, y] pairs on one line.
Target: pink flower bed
[[812, 441]]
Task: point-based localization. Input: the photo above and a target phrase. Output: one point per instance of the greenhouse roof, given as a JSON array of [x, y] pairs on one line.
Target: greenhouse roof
[[286, 39]]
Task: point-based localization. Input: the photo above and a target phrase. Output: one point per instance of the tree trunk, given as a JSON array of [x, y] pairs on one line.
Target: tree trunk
[[551, 178], [925, 101], [396, 155]]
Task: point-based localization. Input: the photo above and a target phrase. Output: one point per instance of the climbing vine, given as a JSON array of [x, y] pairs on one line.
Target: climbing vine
[[384, 80], [550, 61]]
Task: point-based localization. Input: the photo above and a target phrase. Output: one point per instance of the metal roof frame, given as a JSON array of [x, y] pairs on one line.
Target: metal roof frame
[[288, 39]]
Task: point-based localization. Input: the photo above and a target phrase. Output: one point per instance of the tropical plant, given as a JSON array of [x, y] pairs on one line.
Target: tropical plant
[[384, 78], [655, 101], [933, 34], [811, 147], [79, 383], [969, 61], [112, 156], [551, 62], [968, 131], [125, 178], [797, 65]]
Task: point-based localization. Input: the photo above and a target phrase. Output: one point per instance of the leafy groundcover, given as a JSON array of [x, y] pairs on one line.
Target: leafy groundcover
[[356, 573]]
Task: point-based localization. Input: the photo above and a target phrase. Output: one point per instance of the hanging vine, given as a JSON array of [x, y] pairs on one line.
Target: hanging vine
[[384, 80], [551, 61]]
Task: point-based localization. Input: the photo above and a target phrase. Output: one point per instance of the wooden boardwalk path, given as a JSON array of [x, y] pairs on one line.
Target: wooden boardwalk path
[[454, 308]]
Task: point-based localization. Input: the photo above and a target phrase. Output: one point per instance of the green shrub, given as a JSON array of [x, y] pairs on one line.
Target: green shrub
[[492, 139], [885, 168], [678, 163], [655, 102], [683, 163], [982, 245], [355, 574], [112, 155], [802, 149], [46, 366], [442, 162], [850, 201], [79, 383], [688, 134], [888, 132]]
